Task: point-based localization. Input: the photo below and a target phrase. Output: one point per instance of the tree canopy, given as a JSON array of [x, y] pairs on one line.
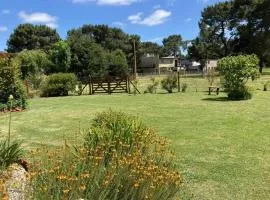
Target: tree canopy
[[29, 37], [233, 28]]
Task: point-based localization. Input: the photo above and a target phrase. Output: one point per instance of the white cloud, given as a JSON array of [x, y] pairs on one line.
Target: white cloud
[[3, 28], [157, 17], [188, 19], [39, 18], [135, 19], [119, 24], [107, 2], [5, 12]]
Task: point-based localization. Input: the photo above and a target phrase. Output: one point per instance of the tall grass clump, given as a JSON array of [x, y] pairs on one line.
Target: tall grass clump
[[169, 83], [121, 158], [152, 88]]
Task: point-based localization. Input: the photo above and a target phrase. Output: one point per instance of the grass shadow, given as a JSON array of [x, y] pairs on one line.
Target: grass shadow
[[216, 99]]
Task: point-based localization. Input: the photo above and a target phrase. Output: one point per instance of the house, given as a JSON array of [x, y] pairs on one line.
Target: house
[[211, 64], [190, 65], [149, 63], [154, 64]]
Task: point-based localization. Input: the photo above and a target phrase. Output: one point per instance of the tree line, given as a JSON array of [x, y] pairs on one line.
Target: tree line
[[90, 49], [233, 27]]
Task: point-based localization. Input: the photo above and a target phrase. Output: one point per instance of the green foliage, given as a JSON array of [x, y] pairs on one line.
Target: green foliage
[[88, 58], [33, 62], [28, 36], [171, 45], [169, 83], [117, 63], [10, 82], [3, 107], [152, 88], [151, 48], [237, 70], [58, 85], [122, 159], [10, 153], [60, 55]]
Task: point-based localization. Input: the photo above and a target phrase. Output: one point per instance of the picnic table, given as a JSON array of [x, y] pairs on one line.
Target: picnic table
[[213, 88]]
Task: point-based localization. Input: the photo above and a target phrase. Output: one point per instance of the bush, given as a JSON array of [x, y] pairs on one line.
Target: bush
[[153, 87], [266, 85], [169, 83], [121, 159], [184, 87], [237, 70], [10, 83], [58, 85], [9, 153]]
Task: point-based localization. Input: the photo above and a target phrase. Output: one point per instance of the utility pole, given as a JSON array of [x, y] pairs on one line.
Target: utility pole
[[135, 60]]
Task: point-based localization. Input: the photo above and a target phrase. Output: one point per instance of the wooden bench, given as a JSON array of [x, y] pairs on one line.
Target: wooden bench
[[213, 88]]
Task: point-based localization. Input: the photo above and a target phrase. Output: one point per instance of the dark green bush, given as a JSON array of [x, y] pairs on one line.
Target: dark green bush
[[10, 83], [240, 94], [58, 85], [169, 83]]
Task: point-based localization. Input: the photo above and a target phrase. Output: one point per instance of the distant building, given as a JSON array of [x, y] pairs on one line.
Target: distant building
[[211, 64], [154, 63]]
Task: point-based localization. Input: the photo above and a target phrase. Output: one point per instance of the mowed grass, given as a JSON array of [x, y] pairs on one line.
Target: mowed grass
[[222, 147]]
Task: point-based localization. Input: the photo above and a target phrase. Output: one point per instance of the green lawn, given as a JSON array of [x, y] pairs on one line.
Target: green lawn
[[223, 147]]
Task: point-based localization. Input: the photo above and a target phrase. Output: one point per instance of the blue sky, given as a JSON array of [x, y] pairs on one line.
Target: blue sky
[[151, 19]]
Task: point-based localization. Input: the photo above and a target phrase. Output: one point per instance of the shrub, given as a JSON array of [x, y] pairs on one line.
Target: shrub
[[10, 152], [140, 165], [169, 83], [184, 87], [152, 88], [10, 83], [266, 85], [58, 85], [237, 70]]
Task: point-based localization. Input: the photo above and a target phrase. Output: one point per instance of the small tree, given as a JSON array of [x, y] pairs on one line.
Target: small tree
[[60, 56], [11, 84], [169, 83], [33, 62], [237, 70]]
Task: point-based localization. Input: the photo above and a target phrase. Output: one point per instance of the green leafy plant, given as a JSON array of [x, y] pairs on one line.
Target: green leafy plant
[[169, 83], [152, 88], [10, 153], [58, 85], [237, 70], [121, 159]]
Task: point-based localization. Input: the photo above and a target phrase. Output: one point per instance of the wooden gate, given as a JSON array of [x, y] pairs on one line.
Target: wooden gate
[[109, 85]]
